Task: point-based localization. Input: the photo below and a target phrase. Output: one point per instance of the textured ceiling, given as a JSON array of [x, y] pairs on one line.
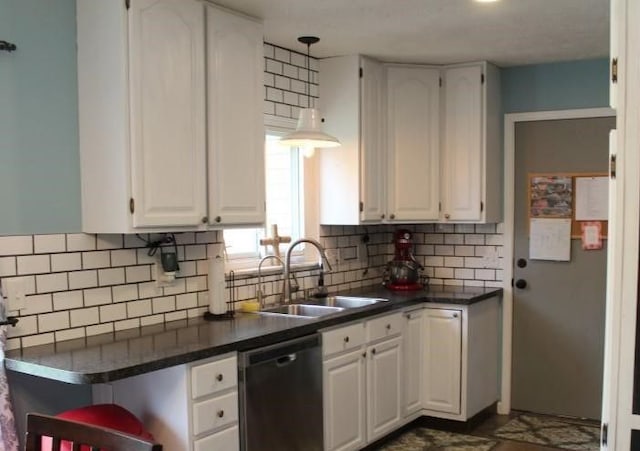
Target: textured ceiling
[[507, 33]]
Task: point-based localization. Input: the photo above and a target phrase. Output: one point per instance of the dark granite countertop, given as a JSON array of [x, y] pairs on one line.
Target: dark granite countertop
[[109, 357]]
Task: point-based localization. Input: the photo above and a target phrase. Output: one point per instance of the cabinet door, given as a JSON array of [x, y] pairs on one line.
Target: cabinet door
[[442, 360], [413, 103], [463, 144], [166, 59], [344, 403], [413, 347], [384, 369], [235, 68], [372, 161], [225, 440]]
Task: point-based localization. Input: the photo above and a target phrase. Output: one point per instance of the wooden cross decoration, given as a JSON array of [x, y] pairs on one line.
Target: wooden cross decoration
[[274, 240]]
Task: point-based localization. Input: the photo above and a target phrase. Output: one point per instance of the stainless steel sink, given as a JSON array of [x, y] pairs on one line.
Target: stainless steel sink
[[303, 310], [347, 301]]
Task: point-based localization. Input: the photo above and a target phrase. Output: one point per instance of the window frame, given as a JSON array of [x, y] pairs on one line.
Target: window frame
[[303, 255]]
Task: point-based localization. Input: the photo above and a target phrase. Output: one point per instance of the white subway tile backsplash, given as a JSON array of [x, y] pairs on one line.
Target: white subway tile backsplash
[[67, 300], [69, 334], [178, 286], [40, 303], [196, 252], [110, 276], [16, 245], [138, 273], [291, 72], [80, 242], [485, 228], [474, 239], [97, 296], [269, 79], [123, 293], [48, 244], [151, 320], [494, 240], [269, 107], [27, 325], [269, 51], [83, 279], [139, 308], [53, 321], [453, 238], [444, 250], [163, 304], [113, 312], [123, 257], [99, 329], [47, 283], [37, 340], [33, 264], [149, 290], [186, 301], [66, 262], [464, 251], [283, 83], [283, 110], [84, 316], [104, 242], [8, 266], [175, 316], [282, 54], [97, 259], [127, 324]]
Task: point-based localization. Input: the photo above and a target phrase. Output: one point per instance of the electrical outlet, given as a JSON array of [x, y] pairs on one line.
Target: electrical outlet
[[163, 279]]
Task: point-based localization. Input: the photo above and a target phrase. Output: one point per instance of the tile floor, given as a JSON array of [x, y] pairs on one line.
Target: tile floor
[[479, 427]]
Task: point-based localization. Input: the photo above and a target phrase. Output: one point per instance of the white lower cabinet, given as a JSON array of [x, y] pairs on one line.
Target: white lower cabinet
[[362, 372], [186, 407], [413, 351], [460, 358]]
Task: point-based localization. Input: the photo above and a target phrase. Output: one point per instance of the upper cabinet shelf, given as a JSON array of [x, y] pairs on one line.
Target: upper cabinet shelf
[[419, 143], [171, 134]]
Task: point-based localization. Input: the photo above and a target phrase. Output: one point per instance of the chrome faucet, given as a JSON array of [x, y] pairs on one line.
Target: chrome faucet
[[259, 293], [287, 266]]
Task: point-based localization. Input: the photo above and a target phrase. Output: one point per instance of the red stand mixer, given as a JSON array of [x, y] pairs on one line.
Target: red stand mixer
[[403, 272]]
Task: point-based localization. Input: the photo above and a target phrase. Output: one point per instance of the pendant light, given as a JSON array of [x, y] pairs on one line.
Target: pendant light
[[308, 134]]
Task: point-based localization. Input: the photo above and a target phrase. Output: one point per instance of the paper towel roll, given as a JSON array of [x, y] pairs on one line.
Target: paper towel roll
[[217, 303]]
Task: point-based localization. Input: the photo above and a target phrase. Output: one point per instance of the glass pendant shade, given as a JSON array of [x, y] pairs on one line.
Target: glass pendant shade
[[308, 132]]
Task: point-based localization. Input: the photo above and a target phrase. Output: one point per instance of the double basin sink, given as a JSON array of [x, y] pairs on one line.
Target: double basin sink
[[313, 308]]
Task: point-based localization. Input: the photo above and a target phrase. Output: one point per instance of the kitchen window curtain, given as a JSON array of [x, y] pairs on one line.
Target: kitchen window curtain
[[8, 434]]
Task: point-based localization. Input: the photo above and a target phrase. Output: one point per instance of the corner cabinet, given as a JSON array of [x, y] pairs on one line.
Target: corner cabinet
[[471, 177], [460, 359], [419, 143], [143, 147]]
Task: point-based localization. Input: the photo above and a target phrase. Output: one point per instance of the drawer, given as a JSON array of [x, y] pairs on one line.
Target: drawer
[[343, 339], [227, 440], [383, 327], [214, 413], [212, 377]]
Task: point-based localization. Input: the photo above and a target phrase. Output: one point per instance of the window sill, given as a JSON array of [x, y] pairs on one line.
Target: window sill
[[251, 272]]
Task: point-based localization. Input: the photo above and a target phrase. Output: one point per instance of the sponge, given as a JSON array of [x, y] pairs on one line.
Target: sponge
[[250, 305]]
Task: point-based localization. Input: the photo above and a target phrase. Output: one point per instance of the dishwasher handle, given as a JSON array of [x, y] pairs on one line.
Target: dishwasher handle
[[282, 353]]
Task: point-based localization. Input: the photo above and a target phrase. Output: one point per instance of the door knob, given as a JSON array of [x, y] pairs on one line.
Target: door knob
[[521, 283]]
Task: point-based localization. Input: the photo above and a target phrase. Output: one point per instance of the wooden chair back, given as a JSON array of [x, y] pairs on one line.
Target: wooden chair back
[[83, 436]]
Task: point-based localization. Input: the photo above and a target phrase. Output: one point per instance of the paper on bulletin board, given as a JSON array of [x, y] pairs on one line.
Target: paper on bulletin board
[[550, 239], [592, 198]]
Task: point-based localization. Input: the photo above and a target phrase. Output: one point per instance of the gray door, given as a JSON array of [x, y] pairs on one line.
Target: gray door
[[558, 323]]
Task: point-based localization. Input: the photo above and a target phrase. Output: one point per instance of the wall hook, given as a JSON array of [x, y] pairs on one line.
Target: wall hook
[[7, 46]]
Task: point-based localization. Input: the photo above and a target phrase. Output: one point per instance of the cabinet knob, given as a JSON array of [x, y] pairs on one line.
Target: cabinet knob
[[388, 326], [521, 284], [382, 216], [455, 315], [217, 219], [219, 377], [220, 413], [364, 355], [205, 219], [447, 216], [346, 339], [392, 216], [373, 351]]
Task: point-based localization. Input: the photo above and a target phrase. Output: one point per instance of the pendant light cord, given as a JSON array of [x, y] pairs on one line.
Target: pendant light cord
[[308, 75]]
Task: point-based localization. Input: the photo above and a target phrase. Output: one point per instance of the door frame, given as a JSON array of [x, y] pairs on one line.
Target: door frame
[[510, 121]]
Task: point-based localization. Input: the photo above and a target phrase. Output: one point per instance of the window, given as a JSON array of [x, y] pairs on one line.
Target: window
[[285, 201]]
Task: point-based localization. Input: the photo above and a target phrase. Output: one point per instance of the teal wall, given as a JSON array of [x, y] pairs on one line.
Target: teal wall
[[556, 86], [39, 163]]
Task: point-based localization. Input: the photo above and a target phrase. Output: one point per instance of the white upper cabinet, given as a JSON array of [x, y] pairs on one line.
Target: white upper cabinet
[[143, 79], [413, 144], [352, 105], [471, 177], [235, 66], [166, 72]]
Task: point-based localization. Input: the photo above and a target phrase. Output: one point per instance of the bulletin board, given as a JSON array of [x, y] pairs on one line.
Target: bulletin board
[[553, 195]]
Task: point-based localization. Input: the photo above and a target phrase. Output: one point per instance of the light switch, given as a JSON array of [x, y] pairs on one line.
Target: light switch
[[15, 291]]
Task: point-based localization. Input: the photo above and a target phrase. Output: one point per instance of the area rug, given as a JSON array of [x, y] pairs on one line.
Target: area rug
[[423, 439], [553, 432]]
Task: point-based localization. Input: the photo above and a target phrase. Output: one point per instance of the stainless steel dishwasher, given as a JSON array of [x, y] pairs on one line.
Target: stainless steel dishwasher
[[281, 396]]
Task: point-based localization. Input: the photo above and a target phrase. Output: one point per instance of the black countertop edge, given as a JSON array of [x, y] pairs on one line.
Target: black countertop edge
[[52, 361]]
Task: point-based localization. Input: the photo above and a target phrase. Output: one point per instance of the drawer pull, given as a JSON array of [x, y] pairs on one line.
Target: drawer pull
[[219, 377], [373, 351], [346, 339], [364, 354], [455, 315], [220, 413], [388, 326]]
